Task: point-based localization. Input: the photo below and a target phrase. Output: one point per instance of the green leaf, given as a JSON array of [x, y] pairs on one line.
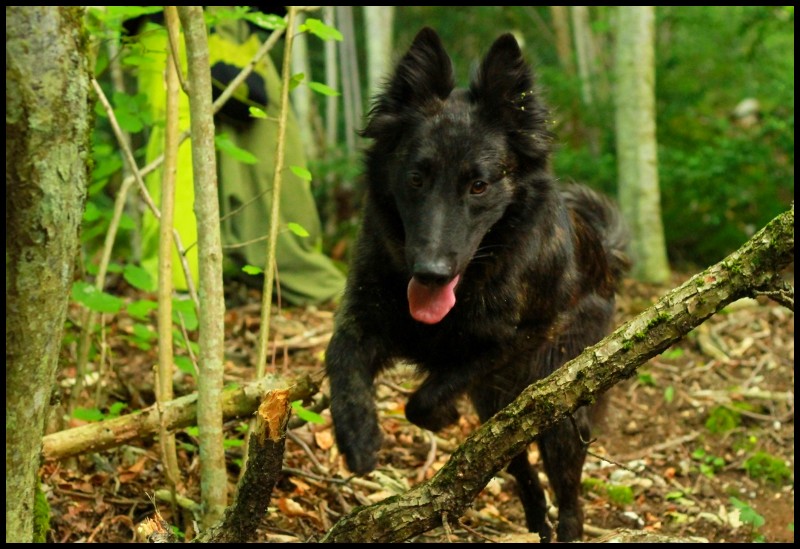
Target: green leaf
[[670, 354], [88, 414], [297, 229], [646, 378], [306, 415], [185, 365], [321, 30], [184, 308], [193, 431], [252, 270], [266, 21], [232, 443], [747, 514], [116, 409], [295, 80], [143, 332], [301, 172], [138, 278], [255, 112], [95, 300], [669, 394], [673, 495], [92, 212], [224, 144], [323, 89], [141, 308]]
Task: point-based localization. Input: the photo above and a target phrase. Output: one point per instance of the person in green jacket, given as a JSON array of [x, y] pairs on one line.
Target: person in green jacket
[[305, 274]]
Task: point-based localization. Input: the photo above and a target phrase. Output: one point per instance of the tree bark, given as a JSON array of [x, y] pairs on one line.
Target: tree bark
[[752, 270], [213, 473], [637, 157], [48, 126], [379, 22], [265, 458], [179, 413]]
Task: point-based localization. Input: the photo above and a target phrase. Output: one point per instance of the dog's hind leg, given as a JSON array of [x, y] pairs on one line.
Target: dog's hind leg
[[563, 454], [532, 495]]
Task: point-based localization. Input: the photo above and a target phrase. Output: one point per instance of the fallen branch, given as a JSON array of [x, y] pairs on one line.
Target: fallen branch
[[181, 412], [753, 269]]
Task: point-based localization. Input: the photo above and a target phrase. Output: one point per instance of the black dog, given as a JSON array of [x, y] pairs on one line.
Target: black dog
[[472, 264]]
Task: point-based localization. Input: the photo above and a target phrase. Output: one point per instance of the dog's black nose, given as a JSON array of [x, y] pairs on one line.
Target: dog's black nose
[[433, 273]]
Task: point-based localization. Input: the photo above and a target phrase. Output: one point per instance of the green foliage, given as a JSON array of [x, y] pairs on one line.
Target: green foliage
[[721, 420], [618, 494], [92, 298], [321, 30], [709, 464], [95, 414], [306, 414], [768, 467], [252, 270], [669, 394], [138, 278], [297, 229], [750, 516], [301, 172], [41, 515], [224, 144]]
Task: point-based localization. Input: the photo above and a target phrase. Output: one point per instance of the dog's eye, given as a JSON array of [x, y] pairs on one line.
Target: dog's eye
[[478, 187], [415, 180]]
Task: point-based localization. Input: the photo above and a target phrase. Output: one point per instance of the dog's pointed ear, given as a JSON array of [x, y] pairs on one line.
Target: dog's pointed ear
[[503, 89], [424, 73], [503, 80]]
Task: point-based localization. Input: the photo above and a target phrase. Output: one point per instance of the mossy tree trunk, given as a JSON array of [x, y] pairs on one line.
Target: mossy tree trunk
[[48, 125]]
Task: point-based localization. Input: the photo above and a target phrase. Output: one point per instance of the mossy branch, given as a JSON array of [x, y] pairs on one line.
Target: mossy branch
[[745, 273]]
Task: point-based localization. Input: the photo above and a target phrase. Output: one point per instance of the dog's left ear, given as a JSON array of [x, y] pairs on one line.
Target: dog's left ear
[[504, 81], [503, 89]]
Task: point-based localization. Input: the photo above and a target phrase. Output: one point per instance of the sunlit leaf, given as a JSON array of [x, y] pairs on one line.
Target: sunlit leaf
[[297, 229], [227, 146], [323, 89], [321, 30], [301, 172], [138, 278]]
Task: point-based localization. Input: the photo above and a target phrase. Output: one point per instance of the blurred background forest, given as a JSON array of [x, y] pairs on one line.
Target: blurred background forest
[[725, 111], [725, 132]]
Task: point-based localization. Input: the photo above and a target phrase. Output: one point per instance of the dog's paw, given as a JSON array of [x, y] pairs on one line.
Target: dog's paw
[[359, 442], [428, 415]]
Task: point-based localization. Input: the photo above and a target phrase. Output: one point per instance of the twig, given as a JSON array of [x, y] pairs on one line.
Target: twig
[[429, 460]]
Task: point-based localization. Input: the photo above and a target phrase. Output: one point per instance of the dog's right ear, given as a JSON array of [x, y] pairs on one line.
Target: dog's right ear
[[424, 74]]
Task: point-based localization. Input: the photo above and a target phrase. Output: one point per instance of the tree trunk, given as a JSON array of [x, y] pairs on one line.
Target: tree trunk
[[301, 95], [48, 145], [379, 22], [636, 142], [213, 473]]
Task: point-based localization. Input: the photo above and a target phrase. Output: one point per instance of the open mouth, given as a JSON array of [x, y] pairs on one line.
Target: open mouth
[[429, 303]]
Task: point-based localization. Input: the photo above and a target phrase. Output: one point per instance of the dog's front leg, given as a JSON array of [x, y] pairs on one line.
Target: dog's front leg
[[433, 405], [351, 369]]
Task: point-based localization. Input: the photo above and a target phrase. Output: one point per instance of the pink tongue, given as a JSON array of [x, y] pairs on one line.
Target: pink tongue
[[430, 304]]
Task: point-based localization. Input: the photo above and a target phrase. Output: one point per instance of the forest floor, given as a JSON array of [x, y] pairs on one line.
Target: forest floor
[[699, 443]]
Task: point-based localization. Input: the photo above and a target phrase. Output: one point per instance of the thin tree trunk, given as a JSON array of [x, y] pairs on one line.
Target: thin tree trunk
[[351, 89], [166, 367], [637, 157], [332, 81], [213, 473], [582, 33], [561, 27], [48, 145], [301, 95], [379, 23]]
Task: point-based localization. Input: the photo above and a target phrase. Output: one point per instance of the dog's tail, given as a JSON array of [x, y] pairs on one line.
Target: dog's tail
[[604, 216]]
